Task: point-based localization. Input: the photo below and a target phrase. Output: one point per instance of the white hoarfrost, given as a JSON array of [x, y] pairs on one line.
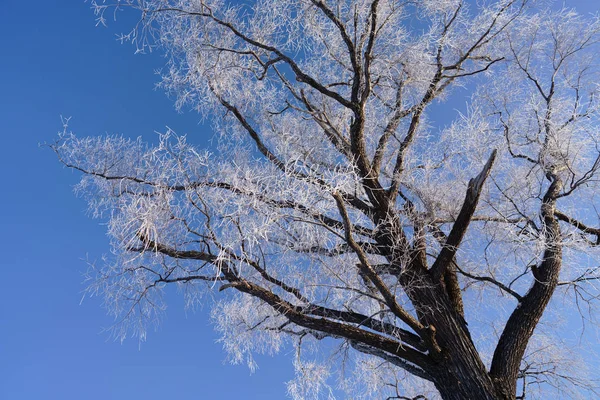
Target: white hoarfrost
[[311, 102]]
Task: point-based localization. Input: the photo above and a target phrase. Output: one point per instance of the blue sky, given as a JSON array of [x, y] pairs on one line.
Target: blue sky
[[56, 62]]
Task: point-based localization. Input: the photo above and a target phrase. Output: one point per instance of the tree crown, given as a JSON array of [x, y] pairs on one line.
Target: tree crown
[[348, 198]]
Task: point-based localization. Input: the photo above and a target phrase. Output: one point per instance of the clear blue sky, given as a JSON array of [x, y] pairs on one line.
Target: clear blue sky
[[56, 62]]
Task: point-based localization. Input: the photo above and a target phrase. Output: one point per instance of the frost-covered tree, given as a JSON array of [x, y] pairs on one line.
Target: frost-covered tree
[[348, 199]]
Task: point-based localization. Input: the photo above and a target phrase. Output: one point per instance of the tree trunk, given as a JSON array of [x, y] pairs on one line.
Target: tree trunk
[[459, 382], [459, 373]]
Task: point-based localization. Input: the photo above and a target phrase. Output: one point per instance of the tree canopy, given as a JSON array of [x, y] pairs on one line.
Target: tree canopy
[[415, 180]]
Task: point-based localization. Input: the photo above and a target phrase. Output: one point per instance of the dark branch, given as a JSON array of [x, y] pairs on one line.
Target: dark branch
[[462, 221]]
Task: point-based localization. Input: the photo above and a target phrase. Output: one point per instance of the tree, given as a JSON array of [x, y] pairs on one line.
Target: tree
[[349, 199]]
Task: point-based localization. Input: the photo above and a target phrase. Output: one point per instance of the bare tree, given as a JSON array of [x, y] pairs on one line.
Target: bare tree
[[347, 200]]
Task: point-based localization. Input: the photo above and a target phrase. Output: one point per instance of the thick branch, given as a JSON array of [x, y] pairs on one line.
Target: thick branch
[[462, 221], [334, 328], [522, 322], [391, 359], [379, 326]]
